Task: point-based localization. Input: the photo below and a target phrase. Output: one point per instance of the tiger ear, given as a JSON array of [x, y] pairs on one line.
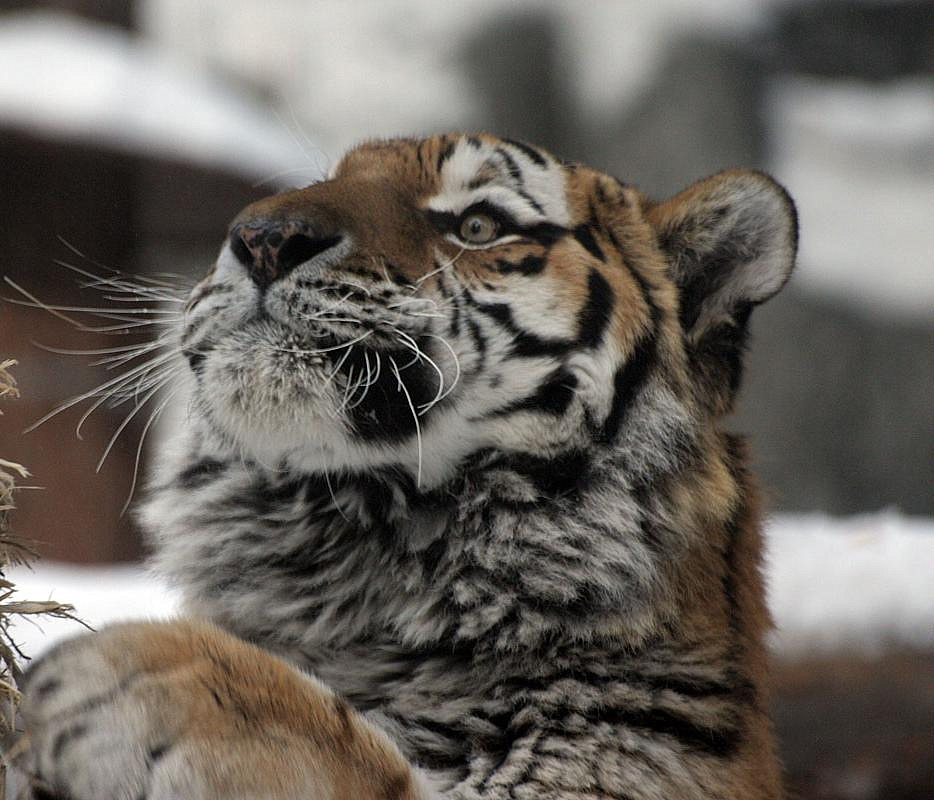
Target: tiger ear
[[730, 241]]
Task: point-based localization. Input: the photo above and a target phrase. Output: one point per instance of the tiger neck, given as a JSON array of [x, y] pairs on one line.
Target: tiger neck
[[518, 552]]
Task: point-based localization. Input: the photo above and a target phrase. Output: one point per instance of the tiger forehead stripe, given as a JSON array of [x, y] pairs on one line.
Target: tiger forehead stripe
[[531, 186]]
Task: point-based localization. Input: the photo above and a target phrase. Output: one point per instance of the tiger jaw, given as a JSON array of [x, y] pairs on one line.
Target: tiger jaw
[[277, 394]]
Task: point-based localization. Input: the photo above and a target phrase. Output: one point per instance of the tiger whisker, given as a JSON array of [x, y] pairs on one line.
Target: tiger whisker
[[118, 361], [457, 366], [347, 391], [420, 355], [132, 276], [320, 350], [440, 268], [280, 174], [327, 480], [124, 328], [140, 383], [95, 392], [129, 418], [142, 440], [142, 298], [418, 430], [100, 351], [104, 313], [124, 285], [338, 366], [371, 378]]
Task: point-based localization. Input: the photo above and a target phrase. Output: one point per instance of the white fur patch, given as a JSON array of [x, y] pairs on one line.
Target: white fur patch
[[545, 185]]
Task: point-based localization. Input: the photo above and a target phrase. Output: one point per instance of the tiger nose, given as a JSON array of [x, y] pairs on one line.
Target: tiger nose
[[271, 250]]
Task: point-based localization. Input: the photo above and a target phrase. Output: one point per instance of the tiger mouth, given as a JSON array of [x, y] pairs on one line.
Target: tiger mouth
[[386, 390], [384, 380]]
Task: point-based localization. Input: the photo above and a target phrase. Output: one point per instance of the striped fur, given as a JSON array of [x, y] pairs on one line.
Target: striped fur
[[478, 488]]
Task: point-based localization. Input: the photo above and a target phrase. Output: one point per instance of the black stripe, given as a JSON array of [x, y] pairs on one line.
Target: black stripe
[[454, 327], [602, 197], [396, 276], [39, 792], [525, 344], [627, 381], [732, 687], [530, 200], [530, 265], [585, 237], [476, 183], [65, 737], [721, 741], [199, 473], [534, 155], [196, 355], [552, 397], [446, 152], [564, 474], [595, 315], [633, 374], [546, 233], [644, 288], [199, 294], [479, 340], [514, 171], [440, 762]]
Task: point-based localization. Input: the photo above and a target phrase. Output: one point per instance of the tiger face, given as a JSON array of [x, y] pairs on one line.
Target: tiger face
[[436, 298]]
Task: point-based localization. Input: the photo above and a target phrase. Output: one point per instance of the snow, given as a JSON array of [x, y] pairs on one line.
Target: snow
[[384, 67], [71, 78], [100, 594], [859, 160], [858, 583]]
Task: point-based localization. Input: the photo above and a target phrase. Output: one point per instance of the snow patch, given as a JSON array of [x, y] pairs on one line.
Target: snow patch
[[859, 160], [69, 78], [860, 582]]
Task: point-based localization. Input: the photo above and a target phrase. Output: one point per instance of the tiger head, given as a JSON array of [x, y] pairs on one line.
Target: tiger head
[[438, 298]]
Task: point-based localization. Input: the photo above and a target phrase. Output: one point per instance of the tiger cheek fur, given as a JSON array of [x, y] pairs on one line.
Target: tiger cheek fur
[[453, 449]]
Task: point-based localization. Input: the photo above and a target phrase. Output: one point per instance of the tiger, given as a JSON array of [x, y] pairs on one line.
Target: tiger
[[451, 506]]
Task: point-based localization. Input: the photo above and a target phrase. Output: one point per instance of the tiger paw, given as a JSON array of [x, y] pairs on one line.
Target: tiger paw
[[178, 709]]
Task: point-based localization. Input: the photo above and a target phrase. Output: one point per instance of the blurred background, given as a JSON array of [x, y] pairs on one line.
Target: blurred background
[[132, 131]]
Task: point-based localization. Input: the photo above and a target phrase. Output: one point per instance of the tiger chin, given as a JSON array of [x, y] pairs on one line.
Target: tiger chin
[[451, 511]]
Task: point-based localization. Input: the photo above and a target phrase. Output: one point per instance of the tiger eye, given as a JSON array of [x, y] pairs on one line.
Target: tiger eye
[[478, 228]]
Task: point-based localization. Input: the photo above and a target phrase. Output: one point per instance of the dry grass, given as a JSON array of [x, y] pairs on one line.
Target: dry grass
[[13, 551]]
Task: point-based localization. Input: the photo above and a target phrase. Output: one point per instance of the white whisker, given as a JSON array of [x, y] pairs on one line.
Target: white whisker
[[318, 351], [338, 366], [142, 383], [440, 268], [142, 440], [327, 480], [418, 430], [132, 276], [457, 365], [129, 418], [119, 381]]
